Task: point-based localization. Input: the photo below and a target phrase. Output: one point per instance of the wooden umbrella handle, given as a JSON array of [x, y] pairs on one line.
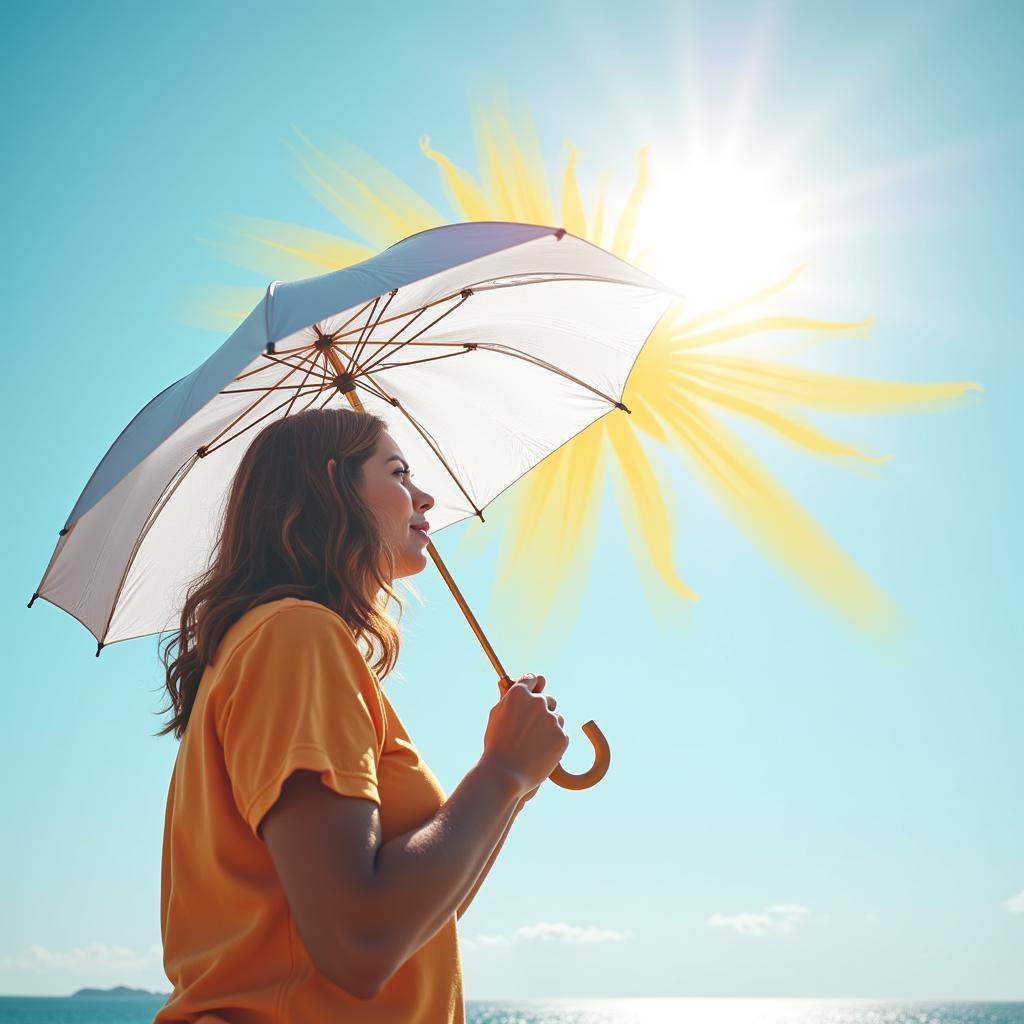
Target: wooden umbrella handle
[[593, 775]]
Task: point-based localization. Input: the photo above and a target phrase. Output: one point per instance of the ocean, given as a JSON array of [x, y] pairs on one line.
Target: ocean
[[52, 1010]]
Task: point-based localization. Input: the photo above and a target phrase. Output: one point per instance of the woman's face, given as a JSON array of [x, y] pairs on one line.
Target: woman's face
[[398, 503]]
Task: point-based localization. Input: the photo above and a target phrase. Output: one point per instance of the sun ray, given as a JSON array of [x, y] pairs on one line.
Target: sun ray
[[759, 326], [219, 308], [286, 251], [553, 527], [776, 522], [643, 504], [463, 193], [789, 427], [377, 205], [791, 385], [513, 171], [599, 205], [622, 241], [574, 219]]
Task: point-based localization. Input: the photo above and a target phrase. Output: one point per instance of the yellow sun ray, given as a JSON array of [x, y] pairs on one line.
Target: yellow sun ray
[[643, 504], [364, 195], [546, 524], [622, 242], [574, 218], [513, 170], [460, 188], [789, 385], [220, 307], [683, 342], [788, 427], [779, 525], [553, 527], [269, 248]]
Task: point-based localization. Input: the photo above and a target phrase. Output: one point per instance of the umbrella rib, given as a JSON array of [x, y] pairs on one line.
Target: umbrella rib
[[466, 347], [503, 350], [372, 388], [327, 387], [272, 359], [487, 284], [419, 310], [403, 327], [425, 434], [208, 449], [484, 285], [281, 387], [377, 356], [369, 319], [537, 361], [245, 412], [341, 329], [359, 347], [304, 379]]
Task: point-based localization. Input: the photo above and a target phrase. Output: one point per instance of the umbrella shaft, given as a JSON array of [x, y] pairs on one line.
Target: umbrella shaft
[[356, 404]]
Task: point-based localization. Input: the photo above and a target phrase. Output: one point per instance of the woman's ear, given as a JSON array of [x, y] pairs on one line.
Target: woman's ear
[[331, 466]]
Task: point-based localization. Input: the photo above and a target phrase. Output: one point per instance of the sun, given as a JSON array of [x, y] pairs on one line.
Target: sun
[[716, 227]]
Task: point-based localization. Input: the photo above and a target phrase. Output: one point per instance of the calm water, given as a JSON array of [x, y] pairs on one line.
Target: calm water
[[43, 1010]]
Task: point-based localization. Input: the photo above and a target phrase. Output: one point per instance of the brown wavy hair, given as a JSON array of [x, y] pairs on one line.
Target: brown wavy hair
[[290, 531]]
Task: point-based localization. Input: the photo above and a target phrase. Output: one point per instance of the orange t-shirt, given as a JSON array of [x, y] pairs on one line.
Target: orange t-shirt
[[288, 689]]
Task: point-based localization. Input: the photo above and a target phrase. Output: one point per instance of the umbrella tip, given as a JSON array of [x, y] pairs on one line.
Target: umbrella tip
[[559, 233], [34, 596], [99, 647]]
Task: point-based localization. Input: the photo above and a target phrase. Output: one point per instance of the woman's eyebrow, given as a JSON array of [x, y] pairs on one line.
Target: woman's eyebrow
[[398, 458]]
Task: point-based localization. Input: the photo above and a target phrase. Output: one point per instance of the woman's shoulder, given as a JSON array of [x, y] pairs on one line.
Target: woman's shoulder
[[290, 615]]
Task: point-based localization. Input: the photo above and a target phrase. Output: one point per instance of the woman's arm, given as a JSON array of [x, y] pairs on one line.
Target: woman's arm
[[487, 867]]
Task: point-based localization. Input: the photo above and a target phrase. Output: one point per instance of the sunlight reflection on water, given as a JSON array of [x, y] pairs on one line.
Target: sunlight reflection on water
[[739, 1011]]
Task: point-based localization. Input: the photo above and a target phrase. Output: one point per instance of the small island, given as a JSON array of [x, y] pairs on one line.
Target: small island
[[120, 992]]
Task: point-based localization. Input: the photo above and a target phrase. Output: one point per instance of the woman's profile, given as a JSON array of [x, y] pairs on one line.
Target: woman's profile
[[313, 868]]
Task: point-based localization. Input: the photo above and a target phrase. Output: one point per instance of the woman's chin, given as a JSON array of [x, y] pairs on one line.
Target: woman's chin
[[412, 565]]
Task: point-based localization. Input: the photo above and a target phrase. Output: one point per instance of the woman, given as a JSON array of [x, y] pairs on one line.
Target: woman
[[313, 868]]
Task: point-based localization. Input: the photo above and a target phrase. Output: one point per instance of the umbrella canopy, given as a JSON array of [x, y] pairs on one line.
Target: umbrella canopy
[[484, 346]]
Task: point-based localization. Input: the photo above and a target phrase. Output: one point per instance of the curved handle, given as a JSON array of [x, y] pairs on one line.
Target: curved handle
[[602, 755], [593, 775]]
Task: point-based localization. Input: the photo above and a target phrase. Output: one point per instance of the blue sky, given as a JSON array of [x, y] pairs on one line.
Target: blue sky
[[765, 754]]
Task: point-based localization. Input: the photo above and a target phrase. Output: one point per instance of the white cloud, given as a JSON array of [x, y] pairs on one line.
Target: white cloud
[[97, 958], [1015, 904], [546, 931], [779, 917], [37, 970]]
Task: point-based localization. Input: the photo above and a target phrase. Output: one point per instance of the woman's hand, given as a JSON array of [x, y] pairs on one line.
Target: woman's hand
[[536, 684]]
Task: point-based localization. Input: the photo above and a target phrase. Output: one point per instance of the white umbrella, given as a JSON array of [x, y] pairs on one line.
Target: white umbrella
[[484, 346]]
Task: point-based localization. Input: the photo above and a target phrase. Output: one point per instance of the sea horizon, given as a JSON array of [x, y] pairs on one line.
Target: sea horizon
[[136, 1009]]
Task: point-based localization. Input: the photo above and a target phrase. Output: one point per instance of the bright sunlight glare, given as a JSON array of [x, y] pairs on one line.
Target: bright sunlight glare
[[715, 229]]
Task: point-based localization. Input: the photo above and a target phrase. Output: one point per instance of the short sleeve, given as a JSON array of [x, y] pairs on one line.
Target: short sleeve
[[297, 693]]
